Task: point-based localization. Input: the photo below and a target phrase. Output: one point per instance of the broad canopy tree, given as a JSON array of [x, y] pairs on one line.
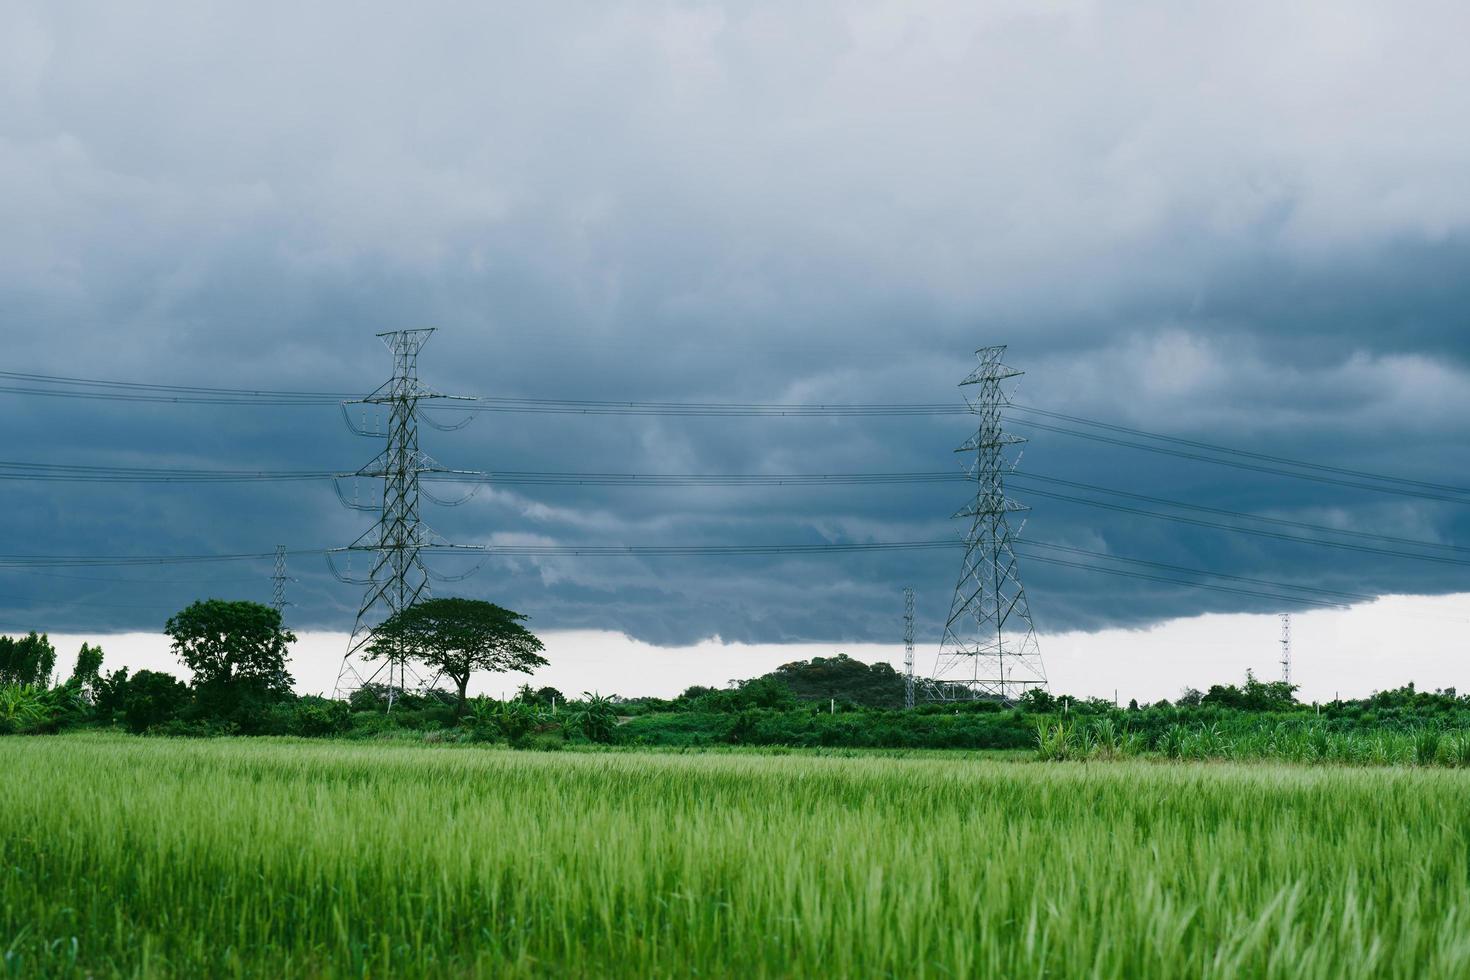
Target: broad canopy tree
[[237, 650], [458, 637]]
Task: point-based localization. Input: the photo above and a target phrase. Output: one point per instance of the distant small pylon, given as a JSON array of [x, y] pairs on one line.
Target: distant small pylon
[[1286, 647], [908, 647], [278, 581]]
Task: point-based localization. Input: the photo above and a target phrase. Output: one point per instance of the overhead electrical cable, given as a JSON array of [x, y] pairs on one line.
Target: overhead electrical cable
[[515, 550], [1252, 593], [69, 561], [11, 470], [67, 473], [186, 389], [568, 406], [71, 387], [1020, 475], [1238, 464], [1165, 566], [115, 580], [1198, 451], [1258, 532], [182, 399], [1353, 597], [1265, 457], [53, 601]]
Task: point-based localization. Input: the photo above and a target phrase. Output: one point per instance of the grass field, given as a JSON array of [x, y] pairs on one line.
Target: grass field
[[126, 856]]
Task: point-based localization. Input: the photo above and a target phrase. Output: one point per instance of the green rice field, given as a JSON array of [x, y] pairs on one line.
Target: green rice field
[[123, 856]]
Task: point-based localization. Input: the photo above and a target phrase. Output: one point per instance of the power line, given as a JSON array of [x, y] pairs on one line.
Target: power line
[[94, 388], [1258, 532], [56, 472], [12, 470], [163, 397], [153, 386], [53, 601], [1165, 566], [70, 473], [1125, 573], [113, 579], [732, 550], [1238, 464], [552, 478], [510, 550], [1278, 521], [1212, 447], [568, 406], [91, 561], [74, 387]]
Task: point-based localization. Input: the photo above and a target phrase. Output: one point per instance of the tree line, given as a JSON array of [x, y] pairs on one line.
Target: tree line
[[236, 657]]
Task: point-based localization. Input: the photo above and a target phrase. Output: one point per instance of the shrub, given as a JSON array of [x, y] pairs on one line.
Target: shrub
[[317, 716], [594, 718], [22, 708], [1055, 742], [153, 698], [1426, 746]]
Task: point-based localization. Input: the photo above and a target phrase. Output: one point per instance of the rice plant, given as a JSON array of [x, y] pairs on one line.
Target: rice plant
[[274, 858]]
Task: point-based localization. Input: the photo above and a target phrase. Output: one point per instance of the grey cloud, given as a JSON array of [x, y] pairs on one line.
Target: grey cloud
[[1244, 224]]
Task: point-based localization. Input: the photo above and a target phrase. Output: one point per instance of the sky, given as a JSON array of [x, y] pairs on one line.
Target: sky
[[1239, 224]]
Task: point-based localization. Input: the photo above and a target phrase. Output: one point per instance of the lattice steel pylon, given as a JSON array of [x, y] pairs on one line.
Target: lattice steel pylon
[[1286, 647], [989, 649], [279, 578], [908, 647], [397, 577]]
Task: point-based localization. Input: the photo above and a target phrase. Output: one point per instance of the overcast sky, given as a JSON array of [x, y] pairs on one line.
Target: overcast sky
[[1239, 223]]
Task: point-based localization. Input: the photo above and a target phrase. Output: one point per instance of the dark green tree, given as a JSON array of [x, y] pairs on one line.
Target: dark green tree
[[1037, 700], [152, 698], [236, 651], [843, 678], [85, 674], [544, 697], [1256, 695], [109, 697], [28, 660], [458, 637]]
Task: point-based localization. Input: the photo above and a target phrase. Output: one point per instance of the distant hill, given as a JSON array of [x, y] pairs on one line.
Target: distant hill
[[841, 677]]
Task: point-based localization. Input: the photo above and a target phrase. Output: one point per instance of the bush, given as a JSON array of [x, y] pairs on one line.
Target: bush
[[22, 708], [594, 718], [192, 728], [314, 716], [153, 698]]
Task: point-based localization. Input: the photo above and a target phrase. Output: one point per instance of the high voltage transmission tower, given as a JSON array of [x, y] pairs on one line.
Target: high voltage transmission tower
[[989, 650], [397, 577], [908, 647], [279, 578], [1286, 647]]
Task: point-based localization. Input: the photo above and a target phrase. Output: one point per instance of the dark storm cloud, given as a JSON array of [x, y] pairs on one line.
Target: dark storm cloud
[[1245, 225]]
